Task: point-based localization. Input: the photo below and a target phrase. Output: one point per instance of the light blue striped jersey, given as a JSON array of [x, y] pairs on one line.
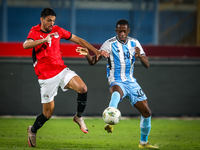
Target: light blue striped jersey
[[121, 61]]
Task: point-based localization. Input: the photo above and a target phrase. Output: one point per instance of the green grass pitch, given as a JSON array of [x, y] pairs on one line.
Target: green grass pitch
[[64, 134]]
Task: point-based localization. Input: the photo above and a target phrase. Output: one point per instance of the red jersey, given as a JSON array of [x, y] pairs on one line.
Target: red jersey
[[47, 56]]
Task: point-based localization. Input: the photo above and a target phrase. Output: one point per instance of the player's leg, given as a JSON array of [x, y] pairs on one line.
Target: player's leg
[[116, 94], [48, 90], [48, 109], [145, 123], [138, 99], [43, 117], [77, 84], [39, 122]]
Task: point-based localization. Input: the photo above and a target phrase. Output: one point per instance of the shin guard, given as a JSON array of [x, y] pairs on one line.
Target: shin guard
[[40, 120], [82, 102]]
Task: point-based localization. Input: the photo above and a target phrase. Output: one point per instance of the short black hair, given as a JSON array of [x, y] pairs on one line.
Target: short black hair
[[122, 22], [47, 11]]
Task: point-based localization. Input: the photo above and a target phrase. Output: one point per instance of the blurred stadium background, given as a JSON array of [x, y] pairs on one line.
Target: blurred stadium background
[[169, 31], [174, 22]]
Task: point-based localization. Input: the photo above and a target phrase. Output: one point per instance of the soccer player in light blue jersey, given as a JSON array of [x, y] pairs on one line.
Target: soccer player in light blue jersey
[[121, 52]]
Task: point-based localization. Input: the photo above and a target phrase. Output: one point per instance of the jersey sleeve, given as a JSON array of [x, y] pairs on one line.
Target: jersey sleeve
[[141, 49], [65, 34], [105, 46], [31, 35]]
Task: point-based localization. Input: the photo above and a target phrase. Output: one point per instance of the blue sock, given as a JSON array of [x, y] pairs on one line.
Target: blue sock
[[145, 127], [115, 98]]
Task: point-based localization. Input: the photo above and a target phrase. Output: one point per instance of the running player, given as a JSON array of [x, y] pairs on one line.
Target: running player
[[123, 51], [44, 39]]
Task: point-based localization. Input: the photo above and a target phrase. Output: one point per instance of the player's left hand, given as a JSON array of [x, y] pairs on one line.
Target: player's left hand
[[82, 51], [49, 37]]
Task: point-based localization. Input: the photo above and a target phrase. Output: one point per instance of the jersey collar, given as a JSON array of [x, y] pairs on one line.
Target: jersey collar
[[39, 28], [121, 41]]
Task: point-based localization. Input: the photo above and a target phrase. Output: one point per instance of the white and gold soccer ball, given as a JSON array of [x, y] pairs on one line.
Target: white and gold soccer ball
[[111, 115]]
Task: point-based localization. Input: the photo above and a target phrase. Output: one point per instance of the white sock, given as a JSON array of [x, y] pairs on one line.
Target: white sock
[[142, 142]]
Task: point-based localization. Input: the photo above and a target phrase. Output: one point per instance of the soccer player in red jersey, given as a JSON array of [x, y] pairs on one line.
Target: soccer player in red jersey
[[44, 39]]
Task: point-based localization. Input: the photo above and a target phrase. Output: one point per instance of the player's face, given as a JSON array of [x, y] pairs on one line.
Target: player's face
[[47, 23], [122, 32]]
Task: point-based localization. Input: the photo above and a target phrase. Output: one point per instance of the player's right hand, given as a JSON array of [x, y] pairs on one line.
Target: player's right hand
[[49, 37], [104, 54]]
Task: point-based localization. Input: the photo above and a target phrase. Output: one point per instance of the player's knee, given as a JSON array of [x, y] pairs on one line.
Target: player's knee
[[147, 113], [48, 115], [83, 89]]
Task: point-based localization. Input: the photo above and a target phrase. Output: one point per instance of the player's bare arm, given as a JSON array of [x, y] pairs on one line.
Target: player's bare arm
[[91, 59], [29, 43], [87, 45], [143, 58]]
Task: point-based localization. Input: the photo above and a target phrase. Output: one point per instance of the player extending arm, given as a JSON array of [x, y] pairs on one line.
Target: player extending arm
[[92, 59], [29, 43]]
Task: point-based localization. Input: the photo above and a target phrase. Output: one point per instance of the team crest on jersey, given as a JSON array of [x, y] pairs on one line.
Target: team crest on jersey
[[56, 35]]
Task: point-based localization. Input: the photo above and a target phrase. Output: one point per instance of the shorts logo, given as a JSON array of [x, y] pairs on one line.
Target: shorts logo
[[46, 96]]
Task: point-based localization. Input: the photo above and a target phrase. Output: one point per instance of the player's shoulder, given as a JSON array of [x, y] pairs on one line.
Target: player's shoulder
[[132, 39], [36, 28], [111, 40], [56, 28]]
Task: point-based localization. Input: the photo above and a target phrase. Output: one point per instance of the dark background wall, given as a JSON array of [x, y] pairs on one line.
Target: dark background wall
[[172, 87]]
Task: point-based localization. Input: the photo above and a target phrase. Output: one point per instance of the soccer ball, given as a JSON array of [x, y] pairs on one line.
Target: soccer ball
[[111, 115]]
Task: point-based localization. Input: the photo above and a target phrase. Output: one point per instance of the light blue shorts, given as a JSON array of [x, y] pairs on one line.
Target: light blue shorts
[[131, 90]]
